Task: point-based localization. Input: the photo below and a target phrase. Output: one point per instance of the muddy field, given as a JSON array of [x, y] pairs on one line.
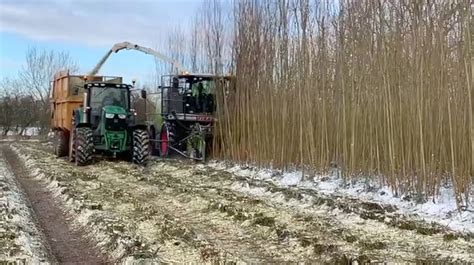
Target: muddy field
[[20, 239], [181, 212]]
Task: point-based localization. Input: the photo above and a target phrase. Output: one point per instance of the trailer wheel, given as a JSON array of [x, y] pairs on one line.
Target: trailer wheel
[[84, 146], [60, 143], [141, 143]]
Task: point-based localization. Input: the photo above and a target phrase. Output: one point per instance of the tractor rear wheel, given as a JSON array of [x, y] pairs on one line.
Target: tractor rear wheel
[[60, 143], [84, 146], [141, 143]]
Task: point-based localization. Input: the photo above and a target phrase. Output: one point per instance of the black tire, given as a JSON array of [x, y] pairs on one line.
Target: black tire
[[84, 146], [141, 143], [61, 144]]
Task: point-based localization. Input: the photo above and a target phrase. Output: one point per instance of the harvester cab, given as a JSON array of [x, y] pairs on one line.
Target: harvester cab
[[188, 105]]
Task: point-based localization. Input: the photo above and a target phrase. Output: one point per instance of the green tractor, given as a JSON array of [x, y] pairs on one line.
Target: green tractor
[[107, 124], [103, 120]]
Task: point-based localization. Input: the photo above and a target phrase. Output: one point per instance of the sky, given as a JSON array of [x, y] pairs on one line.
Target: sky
[[87, 29]]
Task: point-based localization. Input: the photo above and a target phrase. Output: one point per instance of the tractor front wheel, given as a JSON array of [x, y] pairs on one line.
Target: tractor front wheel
[[60, 143], [141, 143], [84, 146]]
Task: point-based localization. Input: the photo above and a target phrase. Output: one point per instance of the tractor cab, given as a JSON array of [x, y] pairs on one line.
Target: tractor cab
[[107, 109], [108, 101], [188, 105]]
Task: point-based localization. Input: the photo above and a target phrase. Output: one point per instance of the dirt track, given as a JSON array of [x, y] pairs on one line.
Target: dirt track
[[67, 245], [177, 211]]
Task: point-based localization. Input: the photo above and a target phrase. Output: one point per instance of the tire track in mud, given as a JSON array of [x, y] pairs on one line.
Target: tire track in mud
[[191, 204], [67, 245], [21, 240], [204, 224], [170, 226]]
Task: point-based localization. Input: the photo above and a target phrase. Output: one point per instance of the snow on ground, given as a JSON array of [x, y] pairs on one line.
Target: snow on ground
[[182, 212], [442, 209], [28, 131], [87, 214], [82, 215], [20, 240]]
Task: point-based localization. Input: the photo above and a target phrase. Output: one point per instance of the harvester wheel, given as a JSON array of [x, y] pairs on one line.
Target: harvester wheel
[[141, 143], [84, 146], [164, 141], [60, 144]]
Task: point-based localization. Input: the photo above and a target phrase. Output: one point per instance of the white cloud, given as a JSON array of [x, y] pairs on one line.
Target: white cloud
[[95, 23]]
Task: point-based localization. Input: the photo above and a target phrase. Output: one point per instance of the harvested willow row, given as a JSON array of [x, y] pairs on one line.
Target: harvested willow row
[[376, 88]]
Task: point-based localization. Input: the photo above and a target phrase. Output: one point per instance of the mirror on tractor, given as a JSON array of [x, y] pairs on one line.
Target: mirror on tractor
[[143, 93]]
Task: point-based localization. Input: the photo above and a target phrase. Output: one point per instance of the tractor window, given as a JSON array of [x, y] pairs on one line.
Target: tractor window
[[106, 96]]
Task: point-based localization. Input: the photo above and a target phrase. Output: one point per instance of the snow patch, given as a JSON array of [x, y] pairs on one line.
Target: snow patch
[[28, 131], [291, 178], [95, 221], [17, 221], [442, 209]]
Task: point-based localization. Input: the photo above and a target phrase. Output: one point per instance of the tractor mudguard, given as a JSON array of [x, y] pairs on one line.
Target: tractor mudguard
[[78, 114]]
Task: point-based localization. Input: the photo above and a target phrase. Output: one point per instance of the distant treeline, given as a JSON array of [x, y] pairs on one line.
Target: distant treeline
[[24, 99]]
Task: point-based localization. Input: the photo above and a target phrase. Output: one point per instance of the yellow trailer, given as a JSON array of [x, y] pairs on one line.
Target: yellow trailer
[[67, 94]]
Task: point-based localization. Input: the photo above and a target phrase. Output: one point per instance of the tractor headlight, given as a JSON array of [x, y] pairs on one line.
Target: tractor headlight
[[122, 116], [109, 115]]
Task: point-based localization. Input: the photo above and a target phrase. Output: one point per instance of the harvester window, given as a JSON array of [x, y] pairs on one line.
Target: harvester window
[[202, 92]]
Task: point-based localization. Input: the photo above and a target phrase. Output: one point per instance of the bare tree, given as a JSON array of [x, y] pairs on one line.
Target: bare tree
[[6, 117], [177, 46], [37, 74], [19, 109]]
